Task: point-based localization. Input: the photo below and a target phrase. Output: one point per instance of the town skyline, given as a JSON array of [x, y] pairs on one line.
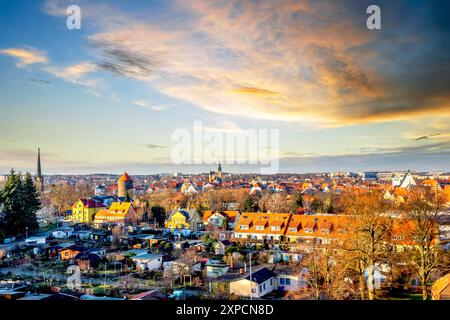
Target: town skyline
[[110, 95]]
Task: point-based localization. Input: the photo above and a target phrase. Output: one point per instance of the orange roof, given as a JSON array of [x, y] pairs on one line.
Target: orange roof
[[265, 220], [125, 177], [335, 225]]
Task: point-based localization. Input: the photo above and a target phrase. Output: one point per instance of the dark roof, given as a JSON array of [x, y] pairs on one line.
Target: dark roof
[[77, 248], [226, 242], [90, 203], [87, 256], [261, 275]]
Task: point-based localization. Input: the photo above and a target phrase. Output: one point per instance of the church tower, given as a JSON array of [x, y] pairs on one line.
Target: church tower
[[219, 172], [39, 177]]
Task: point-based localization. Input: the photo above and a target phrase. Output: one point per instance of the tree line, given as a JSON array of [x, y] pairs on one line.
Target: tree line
[[19, 202]]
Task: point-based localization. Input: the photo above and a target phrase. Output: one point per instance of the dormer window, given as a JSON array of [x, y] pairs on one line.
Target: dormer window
[[259, 227], [275, 228], [244, 227], [309, 230], [292, 229], [398, 237]]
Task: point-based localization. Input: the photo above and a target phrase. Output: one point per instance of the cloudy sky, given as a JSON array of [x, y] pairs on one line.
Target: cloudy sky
[[107, 97]]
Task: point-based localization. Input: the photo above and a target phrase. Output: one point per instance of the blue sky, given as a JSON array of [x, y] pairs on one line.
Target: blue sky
[[342, 96]]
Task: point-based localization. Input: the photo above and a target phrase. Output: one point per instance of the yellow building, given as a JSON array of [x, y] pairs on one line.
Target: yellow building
[[118, 212], [84, 210], [184, 219], [178, 220]]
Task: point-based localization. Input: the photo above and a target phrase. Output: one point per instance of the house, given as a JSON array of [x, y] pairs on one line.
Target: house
[[84, 210], [148, 261], [220, 219], [261, 226], [216, 268], [36, 241], [70, 252], [441, 288], [405, 182], [87, 260], [62, 233], [184, 219], [289, 279], [100, 236], [118, 213], [221, 246], [256, 285]]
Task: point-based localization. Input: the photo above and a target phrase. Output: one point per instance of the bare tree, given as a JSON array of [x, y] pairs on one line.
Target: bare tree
[[422, 211], [371, 230]]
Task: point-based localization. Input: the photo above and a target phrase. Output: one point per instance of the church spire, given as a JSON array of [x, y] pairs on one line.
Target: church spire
[[39, 178]]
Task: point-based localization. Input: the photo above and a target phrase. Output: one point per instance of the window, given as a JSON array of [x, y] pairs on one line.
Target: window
[[271, 281], [244, 227], [260, 287], [292, 229], [259, 227], [264, 286], [308, 230], [285, 281], [341, 231], [276, 228]]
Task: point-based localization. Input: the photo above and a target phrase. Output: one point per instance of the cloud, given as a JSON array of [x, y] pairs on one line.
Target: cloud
[[148, 104], [254, 91], [78, 74], [25, 56], [303, 61], [154, 146], [427, 137], [74, 73]]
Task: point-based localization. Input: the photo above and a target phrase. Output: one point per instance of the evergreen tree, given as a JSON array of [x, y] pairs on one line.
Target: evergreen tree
[[298, 202], [250, 205], [159, 214], [20, 201]]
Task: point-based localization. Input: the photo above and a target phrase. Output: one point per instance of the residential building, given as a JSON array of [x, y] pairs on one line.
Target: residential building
[[184, 219], [260, 283], [84, 210], [118, 213]]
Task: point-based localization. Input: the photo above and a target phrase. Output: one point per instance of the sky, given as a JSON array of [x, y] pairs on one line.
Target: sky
[[109, 96]]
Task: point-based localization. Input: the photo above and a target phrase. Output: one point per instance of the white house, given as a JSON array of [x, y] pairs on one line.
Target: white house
[[406, 181], [291, 281], [262, 282], [63, 233], [148, 261], [36, 240]]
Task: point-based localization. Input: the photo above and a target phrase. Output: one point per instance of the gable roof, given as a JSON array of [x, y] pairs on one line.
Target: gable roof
[[89, 203], [261, 275]]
